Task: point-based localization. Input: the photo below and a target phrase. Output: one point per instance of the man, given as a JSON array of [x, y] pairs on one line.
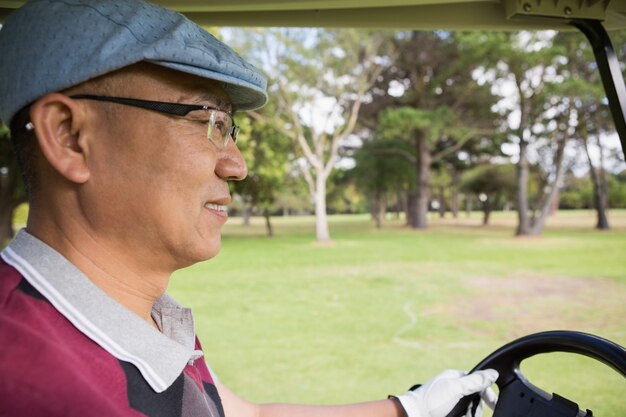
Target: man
[[121, 118]]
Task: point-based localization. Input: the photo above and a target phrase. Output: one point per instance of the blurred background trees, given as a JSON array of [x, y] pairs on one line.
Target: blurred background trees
[[407, 123]]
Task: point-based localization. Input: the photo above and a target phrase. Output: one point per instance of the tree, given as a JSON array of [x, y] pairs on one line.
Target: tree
[[554, 128], [320, 79], [584, 89], [429, 98], [617, 190], [267, 152], [343, 195], [380, 173], [292, 197], [523, 67], [450, 168], [492, 185]]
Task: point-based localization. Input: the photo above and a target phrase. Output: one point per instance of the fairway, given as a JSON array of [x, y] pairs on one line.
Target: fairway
[[376, 311]]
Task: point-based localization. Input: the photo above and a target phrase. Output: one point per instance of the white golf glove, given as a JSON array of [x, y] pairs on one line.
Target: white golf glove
[[438, 396]]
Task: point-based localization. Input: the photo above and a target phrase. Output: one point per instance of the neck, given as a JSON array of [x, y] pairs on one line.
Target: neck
[[108, 265]]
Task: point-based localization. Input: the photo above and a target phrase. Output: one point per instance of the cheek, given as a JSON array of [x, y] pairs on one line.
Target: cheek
[[152, 158], [164, 166], [175, 189]]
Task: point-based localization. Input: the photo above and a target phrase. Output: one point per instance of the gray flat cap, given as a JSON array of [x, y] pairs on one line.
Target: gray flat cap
[[51, 45]]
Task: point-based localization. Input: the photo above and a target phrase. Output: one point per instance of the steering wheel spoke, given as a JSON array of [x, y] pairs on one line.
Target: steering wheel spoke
[[518, 397]]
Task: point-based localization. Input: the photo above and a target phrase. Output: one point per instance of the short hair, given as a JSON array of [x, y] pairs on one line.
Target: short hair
[[25, 149]]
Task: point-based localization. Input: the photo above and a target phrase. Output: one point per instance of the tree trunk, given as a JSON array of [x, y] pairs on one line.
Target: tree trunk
[[413, 196], [487, 208], [454, 199], [555, 203], [322, 233], [548, 203], [469, 202], [600, 194], [442, 202], [245, 214], [603, 201], [375, 213], [379, 208], [411, 209], [374, 209], [523, 223], [409, 212], [400, 205], [422, 196], [268, 223]]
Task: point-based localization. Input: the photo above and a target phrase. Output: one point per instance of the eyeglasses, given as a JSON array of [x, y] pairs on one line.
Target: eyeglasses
[[221, 126]]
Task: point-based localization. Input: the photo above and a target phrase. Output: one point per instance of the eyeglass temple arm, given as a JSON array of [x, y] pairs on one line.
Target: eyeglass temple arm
[[170, 108]]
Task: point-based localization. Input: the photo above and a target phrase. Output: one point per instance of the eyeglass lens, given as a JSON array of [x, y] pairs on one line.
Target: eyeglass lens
[[221, 128]]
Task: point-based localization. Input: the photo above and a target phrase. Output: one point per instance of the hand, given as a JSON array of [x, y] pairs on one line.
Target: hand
[[438, 396]]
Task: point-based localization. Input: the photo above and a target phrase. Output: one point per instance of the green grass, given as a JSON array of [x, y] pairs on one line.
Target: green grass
[[287, 319], [375, 311]]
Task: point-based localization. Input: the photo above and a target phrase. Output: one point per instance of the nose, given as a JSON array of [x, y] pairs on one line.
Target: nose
[[230, 164]]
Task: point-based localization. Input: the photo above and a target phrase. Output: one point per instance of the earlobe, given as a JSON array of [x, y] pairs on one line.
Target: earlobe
[[58, 122]]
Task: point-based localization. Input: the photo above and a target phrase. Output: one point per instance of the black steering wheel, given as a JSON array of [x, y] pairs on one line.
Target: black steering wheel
[[518, 397]]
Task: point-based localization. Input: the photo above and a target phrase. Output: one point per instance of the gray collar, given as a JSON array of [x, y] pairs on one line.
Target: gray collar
[[160, 357]]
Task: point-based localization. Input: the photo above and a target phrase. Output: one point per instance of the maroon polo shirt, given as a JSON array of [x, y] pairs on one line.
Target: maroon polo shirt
[[67, 349]]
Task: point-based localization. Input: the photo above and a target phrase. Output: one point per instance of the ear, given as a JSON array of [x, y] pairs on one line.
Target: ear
[[58, 121]]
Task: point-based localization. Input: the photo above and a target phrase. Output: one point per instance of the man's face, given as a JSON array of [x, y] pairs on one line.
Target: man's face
[[156, 180]]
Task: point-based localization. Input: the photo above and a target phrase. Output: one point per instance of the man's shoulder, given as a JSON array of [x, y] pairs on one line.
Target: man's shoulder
[[10, 279], [45, 361], [33, 330], [22, 307]]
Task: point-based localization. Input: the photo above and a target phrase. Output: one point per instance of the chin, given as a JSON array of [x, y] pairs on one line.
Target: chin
[[195, 246], [203, 252]]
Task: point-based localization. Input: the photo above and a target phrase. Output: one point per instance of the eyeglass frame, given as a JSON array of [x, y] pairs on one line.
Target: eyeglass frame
[[176, 109]]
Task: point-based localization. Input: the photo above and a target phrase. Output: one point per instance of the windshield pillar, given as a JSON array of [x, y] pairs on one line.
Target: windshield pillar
[[610, 72]]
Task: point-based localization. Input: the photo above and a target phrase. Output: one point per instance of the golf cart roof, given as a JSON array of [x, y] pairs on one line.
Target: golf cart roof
[[396, 14]]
